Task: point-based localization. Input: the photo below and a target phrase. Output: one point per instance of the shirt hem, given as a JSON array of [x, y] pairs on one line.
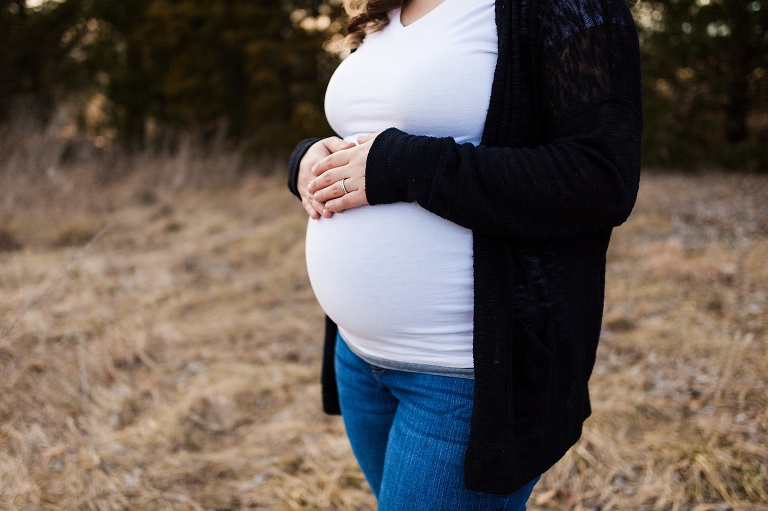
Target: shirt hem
[[467, 373]]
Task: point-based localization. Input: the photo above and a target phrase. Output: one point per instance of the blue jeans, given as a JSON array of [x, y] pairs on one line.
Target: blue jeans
[[409, 432]]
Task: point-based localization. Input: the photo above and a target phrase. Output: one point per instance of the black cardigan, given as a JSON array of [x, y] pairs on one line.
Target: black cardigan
[[558, 167]]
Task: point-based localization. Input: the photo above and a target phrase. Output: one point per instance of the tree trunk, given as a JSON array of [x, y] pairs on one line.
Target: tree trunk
[[737, 110], [739, 102]]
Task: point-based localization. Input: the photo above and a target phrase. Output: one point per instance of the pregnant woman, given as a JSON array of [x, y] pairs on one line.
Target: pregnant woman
[[457, 236]]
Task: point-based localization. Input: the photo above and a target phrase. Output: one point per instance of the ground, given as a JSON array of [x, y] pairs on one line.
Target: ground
[[160, 347]]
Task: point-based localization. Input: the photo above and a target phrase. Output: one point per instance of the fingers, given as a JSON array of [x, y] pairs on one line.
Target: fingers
[[328, 178], [344, 156], [314, 208], [330, 187], [362, 139], [318, 206], [323, 149], [331, 161], [309, 208], [350, 200], [332, 196], [335, 144], [347, 164]]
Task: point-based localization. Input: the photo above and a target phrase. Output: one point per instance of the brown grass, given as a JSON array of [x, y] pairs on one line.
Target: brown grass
[[176, 365]]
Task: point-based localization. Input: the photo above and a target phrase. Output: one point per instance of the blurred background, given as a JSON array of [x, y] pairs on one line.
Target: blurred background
[[159, 340], [146, 72]]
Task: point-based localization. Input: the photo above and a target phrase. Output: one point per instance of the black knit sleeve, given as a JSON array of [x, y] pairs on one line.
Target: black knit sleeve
[[584, 175], [293, 163]]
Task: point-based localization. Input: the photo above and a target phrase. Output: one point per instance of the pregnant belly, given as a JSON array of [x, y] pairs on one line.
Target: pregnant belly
[[392, 273]]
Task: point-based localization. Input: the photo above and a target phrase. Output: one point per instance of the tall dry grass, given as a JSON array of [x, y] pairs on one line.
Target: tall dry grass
[[176, 365]]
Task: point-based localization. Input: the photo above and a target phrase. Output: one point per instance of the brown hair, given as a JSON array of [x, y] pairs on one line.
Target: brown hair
[[367, 16]]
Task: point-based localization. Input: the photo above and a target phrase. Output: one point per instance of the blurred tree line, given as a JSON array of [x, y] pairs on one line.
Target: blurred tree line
[[255, 71], [705, 83]]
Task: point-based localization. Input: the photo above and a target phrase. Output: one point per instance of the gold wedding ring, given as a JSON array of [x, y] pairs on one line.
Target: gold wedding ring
[[343, 188]]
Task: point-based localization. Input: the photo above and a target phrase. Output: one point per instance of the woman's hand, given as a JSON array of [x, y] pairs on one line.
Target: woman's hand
[[314, 154], [347, 165]]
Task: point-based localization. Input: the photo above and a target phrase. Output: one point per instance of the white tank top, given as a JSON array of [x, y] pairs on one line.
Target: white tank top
[[395, 278]]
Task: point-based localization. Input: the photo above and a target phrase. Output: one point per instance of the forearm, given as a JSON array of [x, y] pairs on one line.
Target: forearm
[[574, 184]]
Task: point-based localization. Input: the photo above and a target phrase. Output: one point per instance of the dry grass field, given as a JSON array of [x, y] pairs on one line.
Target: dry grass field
[[175, 364]]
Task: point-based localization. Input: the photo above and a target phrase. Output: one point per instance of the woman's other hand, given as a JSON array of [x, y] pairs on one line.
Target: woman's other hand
[[314, 154], [347, 165]]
